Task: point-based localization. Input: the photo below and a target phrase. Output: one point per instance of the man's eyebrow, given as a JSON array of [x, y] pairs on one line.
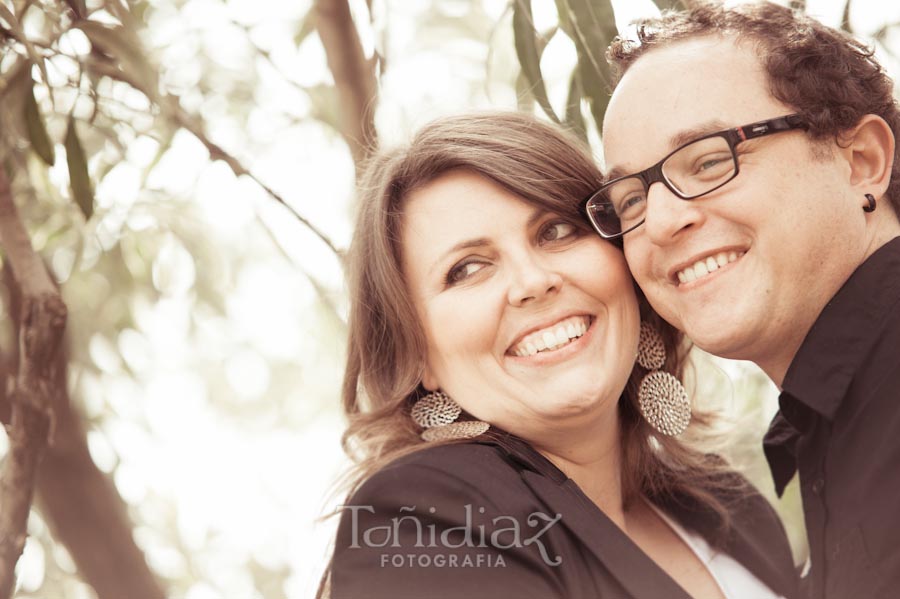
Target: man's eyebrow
[[689, 135], [676, 141]]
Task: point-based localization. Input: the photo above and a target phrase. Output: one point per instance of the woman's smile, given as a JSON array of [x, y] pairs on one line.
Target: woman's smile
[[549, 338]]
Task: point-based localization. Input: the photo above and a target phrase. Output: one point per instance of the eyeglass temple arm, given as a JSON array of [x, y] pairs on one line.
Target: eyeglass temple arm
[[782, 123]]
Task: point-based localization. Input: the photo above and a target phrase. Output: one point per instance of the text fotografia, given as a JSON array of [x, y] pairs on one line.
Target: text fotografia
[[504, 533], [441, 560]]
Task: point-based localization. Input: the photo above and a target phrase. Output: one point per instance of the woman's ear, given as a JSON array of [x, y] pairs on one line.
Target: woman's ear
[[869, 149]]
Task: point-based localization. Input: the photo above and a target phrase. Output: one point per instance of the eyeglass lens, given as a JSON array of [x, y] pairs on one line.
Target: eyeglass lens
[[692, 171]]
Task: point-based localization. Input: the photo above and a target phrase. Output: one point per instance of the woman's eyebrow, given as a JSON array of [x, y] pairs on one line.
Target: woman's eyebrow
[[462, 245]]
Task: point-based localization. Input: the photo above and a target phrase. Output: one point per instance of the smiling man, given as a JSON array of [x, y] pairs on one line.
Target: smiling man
[[751, 153]]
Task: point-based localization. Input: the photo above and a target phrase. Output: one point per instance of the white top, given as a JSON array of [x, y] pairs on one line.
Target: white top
[[734, 580]]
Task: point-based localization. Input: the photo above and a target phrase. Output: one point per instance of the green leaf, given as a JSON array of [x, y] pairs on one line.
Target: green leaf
[[78, 7], [574, 118], [37, 133], [18, 32], [530, 54], [79, 179], [124, 46], [325, 105], [592, 26], [307, 26], [523, 93], [670, 4], [845, 18]]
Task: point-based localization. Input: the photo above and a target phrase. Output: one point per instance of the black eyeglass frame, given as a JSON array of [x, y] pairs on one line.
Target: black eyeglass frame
[[733, 136]]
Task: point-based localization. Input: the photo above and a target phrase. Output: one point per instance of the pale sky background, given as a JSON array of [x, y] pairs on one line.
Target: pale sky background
[[253, 488]]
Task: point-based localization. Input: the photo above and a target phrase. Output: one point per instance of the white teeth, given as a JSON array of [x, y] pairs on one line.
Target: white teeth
[[549, 339], [552, 337], [561, 336], [703, 267]]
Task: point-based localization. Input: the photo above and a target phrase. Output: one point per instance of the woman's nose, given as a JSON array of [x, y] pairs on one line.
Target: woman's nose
[[532, 279]]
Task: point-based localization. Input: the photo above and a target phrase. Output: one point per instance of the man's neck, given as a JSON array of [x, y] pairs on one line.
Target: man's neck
[[776, 364]]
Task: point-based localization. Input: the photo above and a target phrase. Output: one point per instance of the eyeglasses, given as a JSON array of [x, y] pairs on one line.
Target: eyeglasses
[[690, 171]]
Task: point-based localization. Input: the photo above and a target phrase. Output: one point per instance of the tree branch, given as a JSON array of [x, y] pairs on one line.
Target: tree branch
[[43, 321], [171, 106], [86, 513], [354, 76], [216, 152]]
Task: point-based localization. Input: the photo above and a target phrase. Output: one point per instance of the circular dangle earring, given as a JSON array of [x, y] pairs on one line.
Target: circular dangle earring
[[662, 399], [437, 414], [871, 206]]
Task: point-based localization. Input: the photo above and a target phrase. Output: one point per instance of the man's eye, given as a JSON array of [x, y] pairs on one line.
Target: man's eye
[[557, 230], [461, 272], [630, 205], [714, 163]]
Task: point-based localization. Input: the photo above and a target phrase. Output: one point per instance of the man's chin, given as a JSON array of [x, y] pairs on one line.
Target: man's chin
[[724, 342]]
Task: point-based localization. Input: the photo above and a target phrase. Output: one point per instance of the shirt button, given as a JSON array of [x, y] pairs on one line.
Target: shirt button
[[818, 485]]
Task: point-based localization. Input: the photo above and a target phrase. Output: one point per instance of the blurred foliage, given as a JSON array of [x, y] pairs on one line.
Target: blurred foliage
[[200, 340]]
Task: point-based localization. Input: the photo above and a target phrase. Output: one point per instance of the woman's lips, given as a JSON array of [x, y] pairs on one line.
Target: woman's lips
[[551, 337]]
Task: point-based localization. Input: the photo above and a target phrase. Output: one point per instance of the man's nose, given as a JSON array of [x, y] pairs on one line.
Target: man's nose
[[668, 216], [532, 279]]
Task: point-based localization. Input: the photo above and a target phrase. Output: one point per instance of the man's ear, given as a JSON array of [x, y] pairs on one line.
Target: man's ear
[[869, 149]]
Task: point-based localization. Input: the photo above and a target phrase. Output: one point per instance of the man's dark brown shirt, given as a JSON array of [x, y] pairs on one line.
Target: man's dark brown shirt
[[839, 424]]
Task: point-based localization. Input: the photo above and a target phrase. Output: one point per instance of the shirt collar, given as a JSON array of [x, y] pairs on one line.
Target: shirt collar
[[839, 340]]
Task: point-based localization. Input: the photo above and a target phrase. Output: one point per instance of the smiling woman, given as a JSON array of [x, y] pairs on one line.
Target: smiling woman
[[494, 401]]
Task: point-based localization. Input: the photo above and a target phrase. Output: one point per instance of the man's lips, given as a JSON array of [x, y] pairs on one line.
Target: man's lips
[[701, 266]]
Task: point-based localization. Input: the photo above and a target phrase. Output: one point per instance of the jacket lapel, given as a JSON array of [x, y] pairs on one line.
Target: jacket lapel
[[633, 569], [747, 542]]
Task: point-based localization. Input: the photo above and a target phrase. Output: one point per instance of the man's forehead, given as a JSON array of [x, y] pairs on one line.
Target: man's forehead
[[676, 140], [678, 93]]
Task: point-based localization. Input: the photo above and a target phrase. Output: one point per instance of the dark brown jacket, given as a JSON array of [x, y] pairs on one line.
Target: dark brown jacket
[[495, 519]]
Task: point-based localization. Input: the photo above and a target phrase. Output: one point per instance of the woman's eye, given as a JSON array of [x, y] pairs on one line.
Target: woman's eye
[[557, 230], [461, 272]]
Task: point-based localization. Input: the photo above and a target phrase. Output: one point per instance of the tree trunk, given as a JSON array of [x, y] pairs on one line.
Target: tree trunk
[[42, 321], [78, 501]]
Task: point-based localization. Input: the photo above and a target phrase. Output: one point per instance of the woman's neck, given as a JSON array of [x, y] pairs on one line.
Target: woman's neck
[[593, 459]]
